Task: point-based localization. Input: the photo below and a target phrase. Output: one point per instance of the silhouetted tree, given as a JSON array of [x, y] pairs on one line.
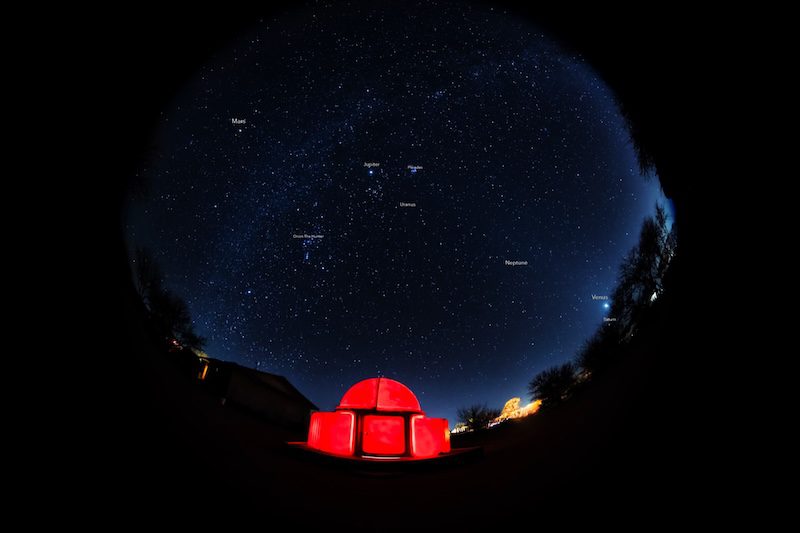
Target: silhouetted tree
[[192, 339], [553, 385], [167, 312], [641, 277], [148, 275], [170, 311], [623, 298], [477, 416], [599, 351], [669, 244]]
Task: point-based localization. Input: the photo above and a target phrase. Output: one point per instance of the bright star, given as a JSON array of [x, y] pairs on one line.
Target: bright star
[[606, 305]]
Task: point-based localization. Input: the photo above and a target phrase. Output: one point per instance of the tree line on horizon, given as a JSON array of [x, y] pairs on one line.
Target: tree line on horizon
[[640, 283], [168, 315]]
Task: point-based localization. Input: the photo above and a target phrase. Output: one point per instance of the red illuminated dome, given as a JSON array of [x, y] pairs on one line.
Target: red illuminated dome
[[379, 418], [380, 394]]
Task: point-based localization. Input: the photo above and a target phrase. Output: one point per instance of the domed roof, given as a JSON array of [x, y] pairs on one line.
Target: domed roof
[[381, 394]]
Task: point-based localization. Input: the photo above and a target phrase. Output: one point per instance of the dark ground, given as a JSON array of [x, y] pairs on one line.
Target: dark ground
[[623, 444], [633, 448]]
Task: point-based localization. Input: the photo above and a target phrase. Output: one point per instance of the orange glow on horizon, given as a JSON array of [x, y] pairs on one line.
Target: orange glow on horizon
[[512, 410]]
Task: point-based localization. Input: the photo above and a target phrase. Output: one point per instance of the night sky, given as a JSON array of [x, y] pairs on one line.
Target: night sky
[[298, 259]]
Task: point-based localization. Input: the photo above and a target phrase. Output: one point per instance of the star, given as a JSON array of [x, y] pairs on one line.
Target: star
[[468, 288]]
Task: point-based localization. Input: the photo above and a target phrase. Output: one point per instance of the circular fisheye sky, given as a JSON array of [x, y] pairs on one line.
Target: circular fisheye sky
[[429, 192]]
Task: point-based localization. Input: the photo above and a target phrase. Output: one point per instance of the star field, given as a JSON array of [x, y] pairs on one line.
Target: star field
[[492, 146]]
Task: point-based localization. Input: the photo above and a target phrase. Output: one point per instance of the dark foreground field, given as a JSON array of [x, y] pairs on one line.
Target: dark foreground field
[[625, 445]]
